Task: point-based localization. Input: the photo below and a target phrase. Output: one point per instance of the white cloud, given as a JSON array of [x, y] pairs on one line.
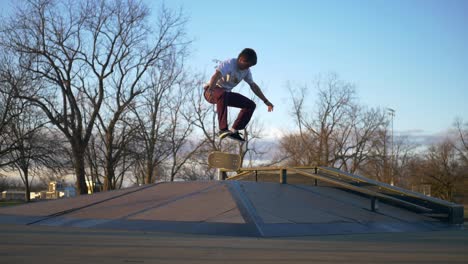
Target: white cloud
[[273, 133]]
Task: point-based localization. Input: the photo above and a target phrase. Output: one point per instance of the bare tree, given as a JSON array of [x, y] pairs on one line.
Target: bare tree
[[318, 131], [27, 131], [461, 144], [299, 148], [401, 169], [405, 153], [4, 184], [153, 116], [340, 132], [182, 117], [7, 145], [204, 120], [296, 149], [442, 169], [377, 166], [76, 48], [356, 137], [253, 149], [127, 81], [94, 159], [35, 148], [10, 107]]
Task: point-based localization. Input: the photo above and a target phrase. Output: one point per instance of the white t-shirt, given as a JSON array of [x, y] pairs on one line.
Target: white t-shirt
[[232, 75]]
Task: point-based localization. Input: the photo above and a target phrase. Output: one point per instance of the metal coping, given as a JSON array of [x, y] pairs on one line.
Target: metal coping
[[386, 186], [431, 205]]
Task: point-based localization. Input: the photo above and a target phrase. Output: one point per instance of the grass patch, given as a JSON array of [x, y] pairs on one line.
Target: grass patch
[[10, 203]]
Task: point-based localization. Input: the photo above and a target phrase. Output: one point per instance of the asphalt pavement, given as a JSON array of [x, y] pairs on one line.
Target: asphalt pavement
[[43, 244]]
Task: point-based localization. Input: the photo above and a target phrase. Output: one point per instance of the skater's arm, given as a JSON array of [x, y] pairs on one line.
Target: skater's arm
[[214, 80], [212, 84], [260, 95]]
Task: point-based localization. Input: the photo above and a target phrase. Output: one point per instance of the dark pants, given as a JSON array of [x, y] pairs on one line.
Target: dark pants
[[223, 99]]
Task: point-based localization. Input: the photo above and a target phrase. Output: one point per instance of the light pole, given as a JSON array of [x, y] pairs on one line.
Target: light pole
[[391, 112]]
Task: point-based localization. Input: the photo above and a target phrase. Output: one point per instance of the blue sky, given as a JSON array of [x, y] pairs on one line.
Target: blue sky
[[409, 55]]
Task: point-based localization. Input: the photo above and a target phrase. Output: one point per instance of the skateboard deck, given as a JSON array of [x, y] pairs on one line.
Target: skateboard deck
[[223, 160]]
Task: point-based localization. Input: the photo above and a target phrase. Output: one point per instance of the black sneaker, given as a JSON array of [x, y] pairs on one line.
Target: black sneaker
[[236, 136], [224, 133]]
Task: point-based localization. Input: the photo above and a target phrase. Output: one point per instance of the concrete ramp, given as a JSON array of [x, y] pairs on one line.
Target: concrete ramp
[[235, 208]]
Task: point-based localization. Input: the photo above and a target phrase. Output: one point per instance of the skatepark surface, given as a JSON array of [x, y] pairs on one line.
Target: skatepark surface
[[232, 208], [42, 244], [228, 222]]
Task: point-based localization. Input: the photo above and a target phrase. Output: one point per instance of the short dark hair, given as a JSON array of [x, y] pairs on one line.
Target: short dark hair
[[249, 55]]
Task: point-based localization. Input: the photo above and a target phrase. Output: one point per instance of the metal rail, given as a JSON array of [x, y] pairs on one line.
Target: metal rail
[[454, 212], [385, 186], [420, 203], [372, 194]]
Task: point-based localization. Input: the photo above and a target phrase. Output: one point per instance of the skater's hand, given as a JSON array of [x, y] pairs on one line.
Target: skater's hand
[[210, 93], [270, 106]]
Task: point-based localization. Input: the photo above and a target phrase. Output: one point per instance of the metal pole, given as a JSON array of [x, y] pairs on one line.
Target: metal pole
[[392, 159], [221, 175], [374, 204], [283, 176]]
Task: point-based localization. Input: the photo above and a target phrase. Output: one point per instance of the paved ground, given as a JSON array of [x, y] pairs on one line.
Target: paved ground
[[237, 208], [98, 228], [41, 244]]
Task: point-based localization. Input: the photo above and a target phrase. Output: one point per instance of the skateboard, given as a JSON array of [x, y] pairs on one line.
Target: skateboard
[[223, 160]]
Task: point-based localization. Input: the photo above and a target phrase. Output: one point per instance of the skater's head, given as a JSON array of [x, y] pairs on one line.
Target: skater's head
[[246, 59]]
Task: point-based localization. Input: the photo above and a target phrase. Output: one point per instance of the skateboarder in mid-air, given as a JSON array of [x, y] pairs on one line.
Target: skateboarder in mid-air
[[228, 74]]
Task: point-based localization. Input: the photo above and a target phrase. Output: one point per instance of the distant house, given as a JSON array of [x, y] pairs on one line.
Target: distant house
[[68, 192], [58, 190], [54, 189], [34, 195], [13, 195], [94, 187]]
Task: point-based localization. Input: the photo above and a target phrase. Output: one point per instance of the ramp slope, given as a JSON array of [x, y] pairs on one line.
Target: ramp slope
[[237, 208]]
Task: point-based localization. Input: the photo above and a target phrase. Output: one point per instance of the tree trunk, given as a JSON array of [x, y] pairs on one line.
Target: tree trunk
[[149, 172], [79, 166], [109, 166], [110, 176], [320, 152], [26, 184]]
